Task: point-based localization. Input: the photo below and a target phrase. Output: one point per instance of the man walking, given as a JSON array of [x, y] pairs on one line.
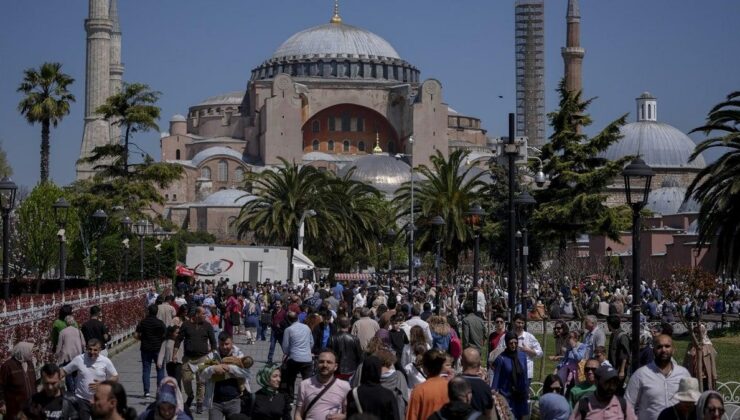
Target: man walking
[[226, 379], [473, 328], [277, 326], [151, 332], [95, 328], [92, 368], [347, 349], [297, 344], [198, 338], [51, 400], [619, 349], [481, 400], [365, 327], [322, 396], [604, 403], [594, 337], [654, 386]]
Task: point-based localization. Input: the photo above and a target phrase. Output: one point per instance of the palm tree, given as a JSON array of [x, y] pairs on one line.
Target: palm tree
[[134, 109], [282, 196], [47, 102], [717, 187], [447, 189]]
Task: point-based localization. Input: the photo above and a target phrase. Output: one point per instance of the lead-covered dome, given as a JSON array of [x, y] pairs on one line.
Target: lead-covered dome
[[660, 145], [384, 172], [336, 40]]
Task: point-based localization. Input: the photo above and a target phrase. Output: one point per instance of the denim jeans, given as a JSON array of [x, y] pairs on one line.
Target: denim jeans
[[273, 340], [147, 359], [261, 329]]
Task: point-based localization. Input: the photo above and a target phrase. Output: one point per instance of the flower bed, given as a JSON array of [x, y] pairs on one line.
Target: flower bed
[[29, 318]]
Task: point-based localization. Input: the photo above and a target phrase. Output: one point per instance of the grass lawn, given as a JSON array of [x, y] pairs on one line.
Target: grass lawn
[[728, 356]]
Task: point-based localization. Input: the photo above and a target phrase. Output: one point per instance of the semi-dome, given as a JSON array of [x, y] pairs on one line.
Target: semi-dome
[[660, 145], [228, 198], [666, 200], [690, 206], [210, 152], [336, 40], [386, 173]]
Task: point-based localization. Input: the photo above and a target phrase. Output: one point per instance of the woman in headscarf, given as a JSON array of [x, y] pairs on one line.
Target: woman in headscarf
[[169, 404], [700, 359], [710, 406], [269, 403], [17, 380], [510, 376], [371, 397]]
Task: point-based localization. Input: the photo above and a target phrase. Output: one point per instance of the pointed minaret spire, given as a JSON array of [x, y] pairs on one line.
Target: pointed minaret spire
[[572, 52], [377, 149], [336, 18]]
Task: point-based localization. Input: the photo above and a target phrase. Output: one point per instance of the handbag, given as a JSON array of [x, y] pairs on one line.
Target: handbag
[[357, 400]]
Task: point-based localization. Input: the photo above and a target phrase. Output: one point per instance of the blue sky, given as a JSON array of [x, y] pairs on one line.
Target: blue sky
[[685, 52]]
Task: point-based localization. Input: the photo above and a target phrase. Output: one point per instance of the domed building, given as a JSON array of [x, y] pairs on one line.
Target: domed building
[[665, 148], [324, 98]]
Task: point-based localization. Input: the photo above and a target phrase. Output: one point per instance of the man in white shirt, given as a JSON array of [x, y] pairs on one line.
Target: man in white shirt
[[92, 368], [480, 301], [416, 320], [653, 387], [527, 343], [360, 299], [594, 337]]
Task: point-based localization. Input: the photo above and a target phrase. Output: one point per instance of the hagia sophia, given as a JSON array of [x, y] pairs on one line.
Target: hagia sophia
[[337, 96]]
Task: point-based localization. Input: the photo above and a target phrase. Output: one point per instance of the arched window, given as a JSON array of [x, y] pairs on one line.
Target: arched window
[[391, 147], [174, 197], [166, 197], [177, 154], [223, 171], [238, 174], [316, 126], [330, 145], [345, 146], [205, 172], [315, 144], [361, 146]]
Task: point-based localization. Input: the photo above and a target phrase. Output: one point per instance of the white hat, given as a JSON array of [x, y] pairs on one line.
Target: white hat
[[688, 390]]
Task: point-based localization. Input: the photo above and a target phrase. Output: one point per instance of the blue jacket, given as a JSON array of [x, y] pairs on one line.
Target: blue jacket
[[517, 394]]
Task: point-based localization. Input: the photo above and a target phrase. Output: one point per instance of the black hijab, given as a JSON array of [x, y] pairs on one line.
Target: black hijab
[[516, 367], [371, 368]]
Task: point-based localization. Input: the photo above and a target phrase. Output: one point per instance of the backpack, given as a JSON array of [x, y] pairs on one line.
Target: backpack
[[583, 406]]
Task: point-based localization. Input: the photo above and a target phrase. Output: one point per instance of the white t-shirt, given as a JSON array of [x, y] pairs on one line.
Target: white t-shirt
[[89, 371]]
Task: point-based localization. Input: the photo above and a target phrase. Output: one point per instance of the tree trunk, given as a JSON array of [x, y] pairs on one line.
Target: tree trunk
[[125, 152], [45, 150]]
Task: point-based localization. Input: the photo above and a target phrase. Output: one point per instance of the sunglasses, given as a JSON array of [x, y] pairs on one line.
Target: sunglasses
[[590, 369]]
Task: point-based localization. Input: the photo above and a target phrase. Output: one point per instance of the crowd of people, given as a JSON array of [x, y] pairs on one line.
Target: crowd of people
[[368, 350]]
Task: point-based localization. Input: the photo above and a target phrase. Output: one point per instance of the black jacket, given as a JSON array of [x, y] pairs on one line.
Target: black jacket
[[348, 350], [318, 335]]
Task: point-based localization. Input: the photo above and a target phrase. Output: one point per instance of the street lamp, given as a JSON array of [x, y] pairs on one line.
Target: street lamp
[[7, 202], [637, 176], [411, 227], [100, 220], [512, 151], [161, 235], [126, 226], [524, 203], [390, 236], [475, 218], [438, 222], [142, 228], [302, 227], [61, 210]]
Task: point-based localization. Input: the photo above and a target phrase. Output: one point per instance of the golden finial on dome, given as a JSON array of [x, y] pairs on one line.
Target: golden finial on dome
[[336, 18], [377, 149]]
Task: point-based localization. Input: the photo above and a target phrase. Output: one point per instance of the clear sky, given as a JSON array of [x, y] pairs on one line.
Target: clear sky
[[685, 52]]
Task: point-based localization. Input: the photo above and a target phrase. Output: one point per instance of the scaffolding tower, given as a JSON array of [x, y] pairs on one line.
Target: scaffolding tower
[[529, 36]]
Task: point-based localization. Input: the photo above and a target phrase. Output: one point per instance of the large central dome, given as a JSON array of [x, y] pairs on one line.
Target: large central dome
[[336, 40]]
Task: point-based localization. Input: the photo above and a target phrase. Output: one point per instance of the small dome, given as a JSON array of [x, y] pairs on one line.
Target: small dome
[[228, 198], [659, 145], [230, 98], [386, 173], [473, 172], [335, 39], [690, 206], [210, 152], [178, 118], [666, 200]]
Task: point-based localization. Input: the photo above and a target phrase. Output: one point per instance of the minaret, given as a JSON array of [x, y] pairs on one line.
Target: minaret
[[573, 53], [97, 82], [647, 107], [116, 67]]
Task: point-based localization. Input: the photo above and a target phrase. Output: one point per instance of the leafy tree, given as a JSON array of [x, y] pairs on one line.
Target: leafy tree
[[573, 202], [717, 187], [37, 229], [5, 168], [119, 182], [47, 102], [447, 189]]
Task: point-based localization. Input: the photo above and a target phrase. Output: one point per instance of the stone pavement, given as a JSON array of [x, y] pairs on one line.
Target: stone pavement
[[128, 364]]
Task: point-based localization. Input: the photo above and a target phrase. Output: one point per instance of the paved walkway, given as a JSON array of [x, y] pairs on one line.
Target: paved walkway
[[128, 364]]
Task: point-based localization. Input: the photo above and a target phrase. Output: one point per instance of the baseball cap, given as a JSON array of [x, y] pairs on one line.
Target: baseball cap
[[605, 373]]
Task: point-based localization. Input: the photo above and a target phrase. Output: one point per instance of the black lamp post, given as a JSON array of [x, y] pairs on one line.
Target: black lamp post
[[126, 226], [100, 219], [524, 203], [438, 222], [61, 209], [142, 228], [390, 237], [637, 176], [7, 202], [410, 228], [511, 150], [475, 218]]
